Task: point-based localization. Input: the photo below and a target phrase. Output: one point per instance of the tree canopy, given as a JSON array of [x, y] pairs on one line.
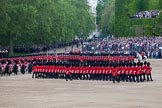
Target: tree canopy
[[113, 17], [106, 16], [125, 26], [36, 22]]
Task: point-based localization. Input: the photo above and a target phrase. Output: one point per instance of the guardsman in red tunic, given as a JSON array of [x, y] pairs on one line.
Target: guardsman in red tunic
[[138, 72], [94, 73], [73, 73], [144, 70], [40, 72], [88, 73], [77, 73], [100, 73], [119, 71], [80, 73], [127, 72], [97, 73], [43, 71], [148, 72], [50, 71], [130, 72], [108, 71], [68, 74], [34, 69], [134, 70], [46, 71], [60, 72], [123, 69], [110, 75], [91, 73], [141, 72], [84, 73], [104, 73], [115, 74], [53, 71]]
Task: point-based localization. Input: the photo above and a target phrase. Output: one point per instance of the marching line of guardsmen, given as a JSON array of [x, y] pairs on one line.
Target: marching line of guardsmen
[[12, 65], [53, 57], [132, 72], [121, 68], [7, 67]]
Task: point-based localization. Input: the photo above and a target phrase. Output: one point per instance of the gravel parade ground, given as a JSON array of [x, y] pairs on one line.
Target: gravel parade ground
[[22, 91]]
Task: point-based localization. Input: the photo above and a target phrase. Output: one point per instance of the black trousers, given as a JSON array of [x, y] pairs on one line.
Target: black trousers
[[149, 77], [144, 74], [137, 78], [15, 72], [68, 77], [115, 78]]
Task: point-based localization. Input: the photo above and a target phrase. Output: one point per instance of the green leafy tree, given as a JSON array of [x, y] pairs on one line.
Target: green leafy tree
[[40, 22]]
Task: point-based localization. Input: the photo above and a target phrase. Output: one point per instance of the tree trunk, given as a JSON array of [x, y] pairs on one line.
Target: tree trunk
[[11, 44]]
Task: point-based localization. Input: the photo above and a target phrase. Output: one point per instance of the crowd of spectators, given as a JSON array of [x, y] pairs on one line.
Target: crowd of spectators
[[150, 47], [4, 52], [43, 48], [146, 14]]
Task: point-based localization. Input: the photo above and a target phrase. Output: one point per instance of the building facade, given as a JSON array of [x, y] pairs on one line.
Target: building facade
[[93, 4]]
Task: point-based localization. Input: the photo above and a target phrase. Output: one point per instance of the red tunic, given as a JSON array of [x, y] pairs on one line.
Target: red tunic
[[148, 70], [68, 71], [123, 70], [134, 70], [108, 70], [127, 70], [114, 72], [144, 68], [119, 71], [130, 71]]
